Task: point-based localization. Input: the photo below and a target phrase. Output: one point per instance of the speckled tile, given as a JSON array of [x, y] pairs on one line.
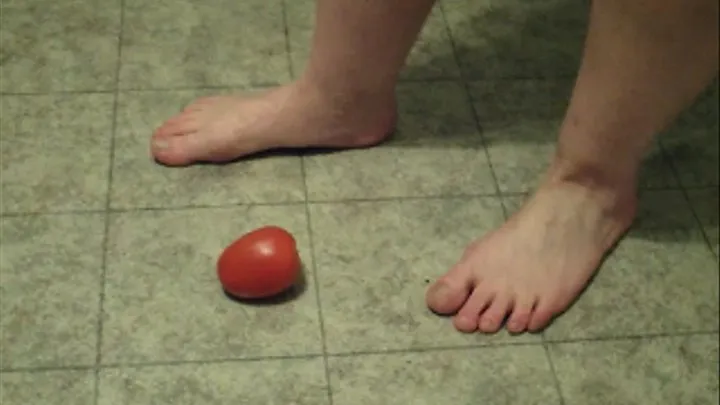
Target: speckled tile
[[282, 382], [492, 376], [656, 281], [74, 48], [164, 302], [430, 58], [436, 150], [373, 287], [54, 152], [705, 202], [657, 371], [138, 181], [521, 121], [47, 388], [50, 269], [171, 44], [517, 39]]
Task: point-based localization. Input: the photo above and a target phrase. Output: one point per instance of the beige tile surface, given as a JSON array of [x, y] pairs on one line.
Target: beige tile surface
[[430, 58], [654, 371], [60, 387], [383, 222], [50, 270], [375, 261], [54, 152], [163, 301], [58, 46], [282, 382], [179, 44], [139, 182], [436, 150], [491, 376]]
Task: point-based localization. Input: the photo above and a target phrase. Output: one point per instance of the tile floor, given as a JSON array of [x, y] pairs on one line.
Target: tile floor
[[108, 289]]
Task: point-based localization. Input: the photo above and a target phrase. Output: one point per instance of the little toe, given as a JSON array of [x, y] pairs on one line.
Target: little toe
[[466, 320], [521, 313], [541, 316], [491, 320], [450, 292]]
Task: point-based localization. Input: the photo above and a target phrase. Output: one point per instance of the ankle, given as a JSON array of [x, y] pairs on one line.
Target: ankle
[[345, 93], [614, 190]]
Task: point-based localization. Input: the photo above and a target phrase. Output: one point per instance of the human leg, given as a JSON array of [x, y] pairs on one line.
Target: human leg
[[644, 62], [345, 98]]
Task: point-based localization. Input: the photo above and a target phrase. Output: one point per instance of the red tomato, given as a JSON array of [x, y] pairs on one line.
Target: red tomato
[[260, 264]]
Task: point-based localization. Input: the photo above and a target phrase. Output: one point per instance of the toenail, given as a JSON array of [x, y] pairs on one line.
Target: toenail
[[488, 324], [161, 144]]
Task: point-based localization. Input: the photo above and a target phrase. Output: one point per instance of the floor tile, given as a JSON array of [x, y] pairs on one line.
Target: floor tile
[[659, 371], [373, 287], [705, 202], [163, 301], [656, 281], [692, 141], [55, 152], [694, 153], [517, 39], [48, 388], [521, 121], [282, 382], [50, 268], [171, 44], [492, 376], [74, 48], [138, 181], [437, 150], [430, 58]]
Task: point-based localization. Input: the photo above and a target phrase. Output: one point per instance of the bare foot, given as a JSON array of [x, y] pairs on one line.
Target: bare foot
[[534, 266], [224, 128]]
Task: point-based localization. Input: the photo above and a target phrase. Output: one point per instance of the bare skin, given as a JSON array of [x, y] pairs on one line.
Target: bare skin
[[223, 128], [643, 64]]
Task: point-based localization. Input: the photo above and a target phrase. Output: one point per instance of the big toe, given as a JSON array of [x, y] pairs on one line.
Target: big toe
[[177, 150], [449, 293]]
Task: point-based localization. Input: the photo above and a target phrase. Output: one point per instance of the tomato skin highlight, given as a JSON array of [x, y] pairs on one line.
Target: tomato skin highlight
[[260, 264]]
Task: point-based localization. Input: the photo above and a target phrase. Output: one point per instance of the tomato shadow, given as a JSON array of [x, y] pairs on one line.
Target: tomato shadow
[[289, 295]]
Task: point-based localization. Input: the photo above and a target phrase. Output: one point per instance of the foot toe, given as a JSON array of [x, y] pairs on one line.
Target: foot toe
[[493, 317], [466, 319], [177, 150], [450, 292], [521, 313], [541, 316]]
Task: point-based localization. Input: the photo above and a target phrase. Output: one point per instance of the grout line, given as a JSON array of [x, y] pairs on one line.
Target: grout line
[[108, 197], [556, 379], [316, 283], [249, 85], [310, 201], [686, 193], [468, 93], [480, 346], [288, 45]]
